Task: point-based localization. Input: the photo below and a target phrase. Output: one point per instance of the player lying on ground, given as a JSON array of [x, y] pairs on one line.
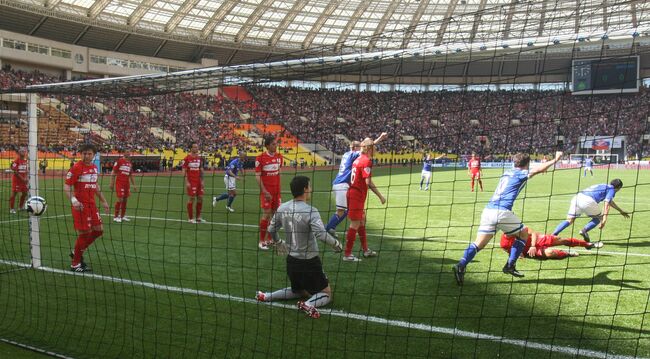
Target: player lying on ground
[[539, 245], [498, 215], [230, 179], [303, 227], [341, 183], [586, 202]]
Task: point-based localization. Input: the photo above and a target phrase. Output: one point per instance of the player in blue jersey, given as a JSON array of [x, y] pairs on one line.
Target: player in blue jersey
[[230, 179], [589, 163], [498, 215], [427, 168], [586, 202], [341, 183]]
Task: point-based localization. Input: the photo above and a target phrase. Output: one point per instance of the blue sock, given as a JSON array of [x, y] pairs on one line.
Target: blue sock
[[222, 196], [230, 200], [560, 227], [421, 182], [591, 225], [469, 254], [334, 221], [515, 251], [342, 218]]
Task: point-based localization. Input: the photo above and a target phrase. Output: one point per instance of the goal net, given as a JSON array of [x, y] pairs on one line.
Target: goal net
[[179, 256]]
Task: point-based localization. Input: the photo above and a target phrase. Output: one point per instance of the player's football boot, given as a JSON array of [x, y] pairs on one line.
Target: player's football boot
[[80, 268], [230, 209], [12, 211], [117, 219], [369, 253], [200, 220], [351, 258], [214, 201], [83, 264], [596, 245], [263, 246], [585, 236], [126, 219], [459, 274], [192, 220], [512, 270], [260, 296], [312, 312]]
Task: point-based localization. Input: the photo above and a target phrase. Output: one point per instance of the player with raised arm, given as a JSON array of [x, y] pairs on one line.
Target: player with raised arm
[[474, 170], [81, 187], [123, 183], [303, 229], [360, 181], [539, 245], [193, 170], [19, 180], [267, 175], [586, 202], [341, 184], [589, 164], [498, 215], [230, 179]]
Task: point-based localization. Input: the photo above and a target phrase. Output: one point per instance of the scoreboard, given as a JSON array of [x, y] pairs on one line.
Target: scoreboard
[[607, 75]]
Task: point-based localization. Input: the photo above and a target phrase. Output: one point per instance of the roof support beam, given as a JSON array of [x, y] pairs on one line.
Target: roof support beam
[[363, 6], [542, 18], [50, 4], [223, 10], [605, 19], [284, 24], [179, 15], [97, 7], [253, 19], [162, 44], [634, 18], [329, 9], [477, 20], [511, 13], [445, 22], [139, 12], [576, 27], [81, 34], [382, 24], [119, 44], [415, 20], [37, 26]]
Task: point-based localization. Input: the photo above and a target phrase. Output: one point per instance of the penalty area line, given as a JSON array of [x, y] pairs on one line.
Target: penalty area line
[[342, 314], [35, 349]]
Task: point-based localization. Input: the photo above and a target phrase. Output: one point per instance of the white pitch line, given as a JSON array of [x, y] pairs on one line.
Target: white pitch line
[[342, 314], [33, 348], [27, 219]]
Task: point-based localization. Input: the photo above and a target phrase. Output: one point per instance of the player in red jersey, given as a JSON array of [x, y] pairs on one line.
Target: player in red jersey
[[193, 169], [539, 245], [267, 174], [360, 181], [19, 180], [474, 170], [81, 188], [123, 182]]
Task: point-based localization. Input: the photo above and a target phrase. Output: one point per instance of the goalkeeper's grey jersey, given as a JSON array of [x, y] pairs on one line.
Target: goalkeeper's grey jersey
[[303, 226]]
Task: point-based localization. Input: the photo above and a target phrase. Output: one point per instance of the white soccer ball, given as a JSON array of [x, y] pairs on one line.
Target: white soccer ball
[[36, 205]]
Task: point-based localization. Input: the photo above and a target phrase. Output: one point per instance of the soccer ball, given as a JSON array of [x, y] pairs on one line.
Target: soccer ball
[[36, 205]]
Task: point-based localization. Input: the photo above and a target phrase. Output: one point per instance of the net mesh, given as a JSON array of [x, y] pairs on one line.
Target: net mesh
[[162, 286]]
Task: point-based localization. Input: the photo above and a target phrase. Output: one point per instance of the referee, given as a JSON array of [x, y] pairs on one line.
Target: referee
[[303, 226]]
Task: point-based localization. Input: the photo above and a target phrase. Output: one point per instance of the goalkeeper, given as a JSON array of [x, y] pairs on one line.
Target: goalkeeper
[[303, 226]]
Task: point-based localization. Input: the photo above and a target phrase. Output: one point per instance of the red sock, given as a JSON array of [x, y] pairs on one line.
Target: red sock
[[12, 201], [23, 197], [349, 241], [363, 237], [80, 246], [189, 210], [264, 225], [123, 208], [560, 254], [575, 242], [480, 183], [118, 204], [472, 184], [199, 206]]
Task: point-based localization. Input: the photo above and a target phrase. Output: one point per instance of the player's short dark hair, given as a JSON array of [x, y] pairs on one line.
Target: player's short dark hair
[[87, 147], [521, 160], [268, 139], [617, 183], [298, 185]]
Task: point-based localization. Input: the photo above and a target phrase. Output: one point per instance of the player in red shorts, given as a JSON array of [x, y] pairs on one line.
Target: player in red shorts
[[539, 245], [81, 188], [474, 170], [19, 180], [267, 174], [123, 182], [360, 181], [193, 169]]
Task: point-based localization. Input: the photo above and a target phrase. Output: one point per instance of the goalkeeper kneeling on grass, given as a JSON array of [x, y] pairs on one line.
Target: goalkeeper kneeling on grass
[[539, 245], [303, 226]]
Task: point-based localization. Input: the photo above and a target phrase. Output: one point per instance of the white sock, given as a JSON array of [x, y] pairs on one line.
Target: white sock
[[319, 299], [281, 294]]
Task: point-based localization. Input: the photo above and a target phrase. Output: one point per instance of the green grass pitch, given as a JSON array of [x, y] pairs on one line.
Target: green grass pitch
[[162, 287]]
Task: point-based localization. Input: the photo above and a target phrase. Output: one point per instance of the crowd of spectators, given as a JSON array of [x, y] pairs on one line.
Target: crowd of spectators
[[488, 122]]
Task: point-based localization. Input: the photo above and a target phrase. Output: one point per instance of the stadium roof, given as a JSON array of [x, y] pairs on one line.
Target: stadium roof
[[333, 26]]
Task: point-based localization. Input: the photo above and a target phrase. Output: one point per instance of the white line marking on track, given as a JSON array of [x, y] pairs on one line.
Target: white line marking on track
[[342, 314]]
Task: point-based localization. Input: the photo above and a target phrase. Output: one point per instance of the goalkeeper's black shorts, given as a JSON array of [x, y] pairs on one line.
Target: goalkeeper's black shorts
[[306, 274]]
